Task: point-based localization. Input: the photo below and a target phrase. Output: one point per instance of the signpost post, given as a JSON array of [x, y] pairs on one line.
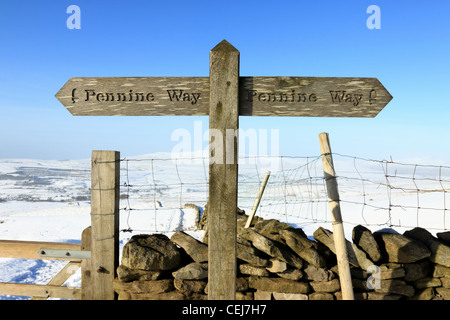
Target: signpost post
[[224, 96]]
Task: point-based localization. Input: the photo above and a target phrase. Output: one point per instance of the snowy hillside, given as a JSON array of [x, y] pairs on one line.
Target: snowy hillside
[[43, 200]]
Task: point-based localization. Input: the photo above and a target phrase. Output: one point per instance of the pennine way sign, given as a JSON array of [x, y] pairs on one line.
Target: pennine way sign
[[224, 96], [258, 96]]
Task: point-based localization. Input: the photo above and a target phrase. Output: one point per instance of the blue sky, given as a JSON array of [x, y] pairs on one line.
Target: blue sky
[[409, 55]]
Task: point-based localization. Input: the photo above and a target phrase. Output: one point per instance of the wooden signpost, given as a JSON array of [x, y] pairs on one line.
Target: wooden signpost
[[258, 96], [224, 96]]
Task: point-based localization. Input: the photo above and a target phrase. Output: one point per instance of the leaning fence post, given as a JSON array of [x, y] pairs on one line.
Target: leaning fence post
[[336, 218], [105, 189], [257, 200]]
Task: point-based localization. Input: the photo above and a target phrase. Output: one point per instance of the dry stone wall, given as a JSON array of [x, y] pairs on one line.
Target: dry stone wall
[[279, 262]]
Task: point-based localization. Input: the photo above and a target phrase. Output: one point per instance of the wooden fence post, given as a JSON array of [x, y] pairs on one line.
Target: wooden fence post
[[223, 171], [257, 200], [336, 218], [105, 189]]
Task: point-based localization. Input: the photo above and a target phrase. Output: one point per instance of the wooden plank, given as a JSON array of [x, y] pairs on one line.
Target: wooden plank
[[62, 276], [336, 218], [258, 96], [30, 249], [105, 187], [39, 290], [312, 96], [87, 291], [134, 96], [223, 171]]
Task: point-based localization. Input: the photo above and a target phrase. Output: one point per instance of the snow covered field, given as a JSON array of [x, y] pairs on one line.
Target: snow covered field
[[43, 200]]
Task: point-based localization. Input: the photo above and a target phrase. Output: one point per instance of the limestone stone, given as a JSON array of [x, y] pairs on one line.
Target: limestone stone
[[441, 271], [151, 252], [444, 236], [304, 247], [156, 286], [241, 284], [390, 271], [330, 256], [425, 294], [382, 296], [396, 287], [277, 261], [278, 285], [401, 249], [250, 255], [262, 295], [359, 255], [445, 282], [418, 270], [244, 296], [317, 274], [252, 270], [243, 241], [289, 296], [203, 223], [272, 234], [291, 274], [276, 266], [273, 248], [126, 274], [363, 285], [427, 283], [192, 271], [383, 272], [197, 250], [327, 286], [188, 286], [272, 227], [364, 239], [320, 296], [443, 292], [440, 252], [356, 273], [325, 237], [172, 295], [356, 256]]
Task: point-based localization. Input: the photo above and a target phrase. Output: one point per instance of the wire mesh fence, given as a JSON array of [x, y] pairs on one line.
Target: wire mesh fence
[[394, 194], [157, 192], [165, 193]]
